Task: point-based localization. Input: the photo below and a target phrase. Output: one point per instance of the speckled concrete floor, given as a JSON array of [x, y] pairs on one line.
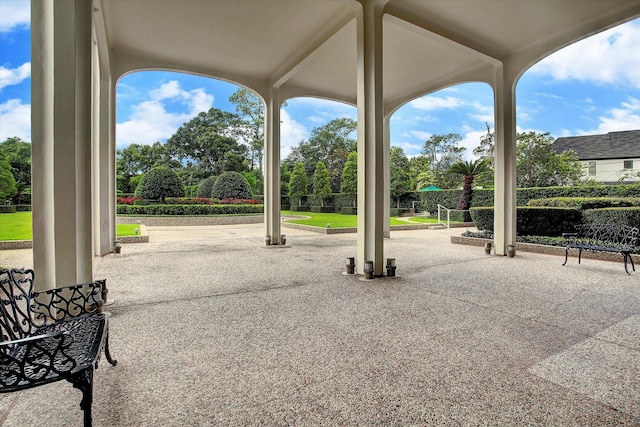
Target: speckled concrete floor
[[212, 329]]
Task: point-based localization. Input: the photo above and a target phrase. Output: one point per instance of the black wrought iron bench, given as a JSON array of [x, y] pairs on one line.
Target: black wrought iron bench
[[52, 335], [603, 238]]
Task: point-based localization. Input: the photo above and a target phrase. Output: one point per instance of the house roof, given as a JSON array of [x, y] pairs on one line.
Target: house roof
[[613, 145]]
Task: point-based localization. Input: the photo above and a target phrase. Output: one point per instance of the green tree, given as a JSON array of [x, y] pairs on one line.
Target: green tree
[[18, 154], [231, 185], [159, 183], [207, 144], [298, 185], [137, 159], [331, 144], [442, 151], [420, 172], [469, 170], [400, 181], [205, 189], [349, 181], [539, 165], [321, 184], [7, 181], [250, 110]]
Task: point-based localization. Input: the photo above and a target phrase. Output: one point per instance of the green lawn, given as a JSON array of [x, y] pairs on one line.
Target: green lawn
[[336, 220], [17, 226]]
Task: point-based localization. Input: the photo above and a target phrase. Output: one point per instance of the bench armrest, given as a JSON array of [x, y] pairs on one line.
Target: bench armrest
[[565, 235]]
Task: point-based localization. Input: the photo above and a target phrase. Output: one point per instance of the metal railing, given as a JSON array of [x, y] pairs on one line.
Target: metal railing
[[440, 221]]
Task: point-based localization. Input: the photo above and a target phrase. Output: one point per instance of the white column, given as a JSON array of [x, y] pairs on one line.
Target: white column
[[371, 175], [61, 142], [505, 198], [103, 177], [387, 178], [272, 167]]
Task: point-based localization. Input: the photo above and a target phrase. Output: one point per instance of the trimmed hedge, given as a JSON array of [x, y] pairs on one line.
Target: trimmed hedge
[[583, 203], [349, 211], [622, 216], [532, 221], [189, 210], [484, 197], [7, 209], [300, 209], [322, 209]]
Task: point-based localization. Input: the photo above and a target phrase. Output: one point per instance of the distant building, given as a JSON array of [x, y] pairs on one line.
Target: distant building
[[610, 158]]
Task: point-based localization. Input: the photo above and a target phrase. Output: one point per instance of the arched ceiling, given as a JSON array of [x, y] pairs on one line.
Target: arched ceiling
[[308, 47]]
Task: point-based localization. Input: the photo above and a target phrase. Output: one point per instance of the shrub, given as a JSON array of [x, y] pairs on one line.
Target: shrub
[[532, 221], [206, 187], [160, 183], [348, 211], [583, 203], [322, 209], [231, 185], [622, 216], [191, 210], [233, 201], [122, 200], [7, 209], [191, 190]]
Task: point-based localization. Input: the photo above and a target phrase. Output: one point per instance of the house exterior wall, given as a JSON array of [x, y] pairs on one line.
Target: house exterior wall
[[611, 170]]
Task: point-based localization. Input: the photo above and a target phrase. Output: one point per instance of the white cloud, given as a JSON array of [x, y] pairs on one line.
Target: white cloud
[[625, 117], [470, 140], [14, 76], [16, 120], [420, 134], [610, 57], [14, 13], [150, 120], [430, 103], [291, 133]]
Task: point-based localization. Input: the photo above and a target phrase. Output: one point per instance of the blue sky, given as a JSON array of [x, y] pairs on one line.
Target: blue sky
[[590, 87]]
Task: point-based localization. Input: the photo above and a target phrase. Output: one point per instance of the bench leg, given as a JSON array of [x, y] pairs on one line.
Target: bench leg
[[579, 255], [83, 381], [628, 257], [107, 353], [566, 256]]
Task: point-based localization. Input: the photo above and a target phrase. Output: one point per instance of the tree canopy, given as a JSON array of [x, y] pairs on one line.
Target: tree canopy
[[321, 185], [159, 183], [400, 181], [206, 143], [298, 183], [18, 156]]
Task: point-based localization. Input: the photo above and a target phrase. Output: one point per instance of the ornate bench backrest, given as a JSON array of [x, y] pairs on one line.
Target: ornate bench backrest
[[16, 289], [22, 310], [621, 236]]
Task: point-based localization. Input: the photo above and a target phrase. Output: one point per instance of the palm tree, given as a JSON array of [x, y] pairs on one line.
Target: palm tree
[[469, 170]]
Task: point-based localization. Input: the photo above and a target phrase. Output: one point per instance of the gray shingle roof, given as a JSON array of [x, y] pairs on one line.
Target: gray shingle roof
[[613, 145]]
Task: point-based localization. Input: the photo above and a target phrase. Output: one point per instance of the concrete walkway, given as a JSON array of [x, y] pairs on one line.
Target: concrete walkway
[[212, 329]]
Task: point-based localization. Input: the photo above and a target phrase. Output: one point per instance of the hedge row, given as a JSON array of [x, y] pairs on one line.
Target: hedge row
[[481, 197], [14, 208], [583, 203], [189, 209], [532, 221], [553, 221]]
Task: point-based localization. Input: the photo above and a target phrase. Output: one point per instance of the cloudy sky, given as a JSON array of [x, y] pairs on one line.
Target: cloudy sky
[[590, 87]]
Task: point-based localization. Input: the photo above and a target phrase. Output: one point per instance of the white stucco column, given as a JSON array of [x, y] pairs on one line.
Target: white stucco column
[[272, 167], [61, 142], [371, 186], [505, 198], [386, 225], [103, 175]]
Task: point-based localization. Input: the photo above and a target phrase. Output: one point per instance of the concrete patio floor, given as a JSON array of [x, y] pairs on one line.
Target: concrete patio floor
[[212, 329]]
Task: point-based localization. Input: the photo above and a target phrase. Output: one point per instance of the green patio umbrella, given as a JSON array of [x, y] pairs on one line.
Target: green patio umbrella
[[430, 188]]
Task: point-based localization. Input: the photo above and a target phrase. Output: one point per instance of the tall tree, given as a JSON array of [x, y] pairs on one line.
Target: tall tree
[[321, 184], [250, 110], [18, 154], [298, 184], [400, 181], [206, 142], [349, 179], [7, 181], [136, 159], [420, 172], [331, 144], [469, 170], [442, 152], [539, 165]]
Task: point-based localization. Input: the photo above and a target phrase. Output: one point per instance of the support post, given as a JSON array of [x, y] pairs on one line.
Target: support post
[[61, 142], [370, 136], [272, 167], [505, 198]]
